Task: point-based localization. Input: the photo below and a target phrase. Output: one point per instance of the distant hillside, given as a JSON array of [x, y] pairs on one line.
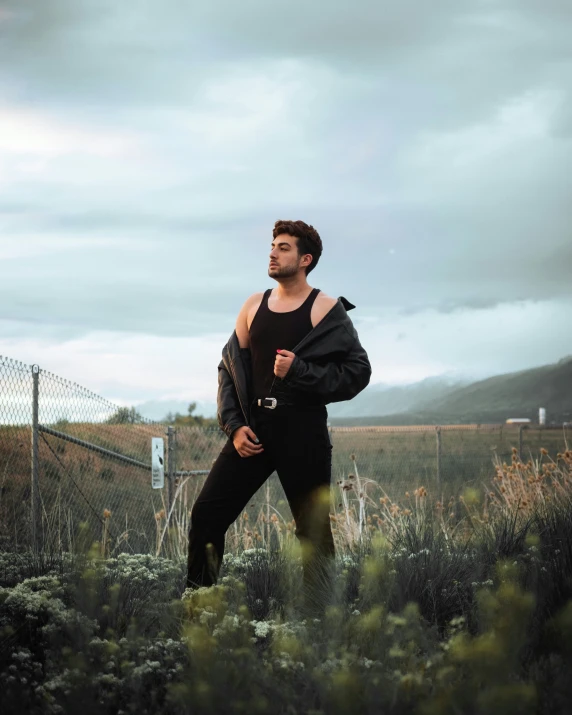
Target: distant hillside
[[439, 400], [379, 399], [495, 399]]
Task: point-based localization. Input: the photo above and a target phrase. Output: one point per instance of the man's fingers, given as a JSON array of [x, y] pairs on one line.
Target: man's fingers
[[251, 434], [248, 446], [248, 450], [251, 447], [246, 442]]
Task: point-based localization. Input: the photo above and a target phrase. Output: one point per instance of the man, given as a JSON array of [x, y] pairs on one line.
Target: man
[[294, 350]]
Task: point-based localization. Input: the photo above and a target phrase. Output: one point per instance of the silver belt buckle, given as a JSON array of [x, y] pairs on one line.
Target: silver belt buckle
[[273, 400]]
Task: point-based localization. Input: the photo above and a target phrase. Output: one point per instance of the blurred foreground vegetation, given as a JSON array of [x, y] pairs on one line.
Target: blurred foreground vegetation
[[421, 619]]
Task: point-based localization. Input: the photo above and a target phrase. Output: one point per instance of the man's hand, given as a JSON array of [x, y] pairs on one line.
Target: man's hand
[[284, 359], [244, 441]]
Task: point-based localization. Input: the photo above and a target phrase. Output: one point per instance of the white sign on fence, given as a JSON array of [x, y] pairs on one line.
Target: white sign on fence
[[157, 463]]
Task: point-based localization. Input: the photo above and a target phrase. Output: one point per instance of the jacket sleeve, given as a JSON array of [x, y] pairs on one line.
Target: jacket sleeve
[[333, 381], [229, 412]]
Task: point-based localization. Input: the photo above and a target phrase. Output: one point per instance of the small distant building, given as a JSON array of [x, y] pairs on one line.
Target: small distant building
[[541, 416], [518, 421]]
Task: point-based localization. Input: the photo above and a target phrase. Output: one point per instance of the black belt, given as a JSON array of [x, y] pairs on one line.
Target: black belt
[[269, 402]]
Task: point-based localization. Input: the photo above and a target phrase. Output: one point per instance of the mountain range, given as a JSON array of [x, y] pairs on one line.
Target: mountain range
[[495, 399], [439, 400], [380, 399]]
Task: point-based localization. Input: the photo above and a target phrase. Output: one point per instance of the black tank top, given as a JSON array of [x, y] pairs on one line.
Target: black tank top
[[271, 331]]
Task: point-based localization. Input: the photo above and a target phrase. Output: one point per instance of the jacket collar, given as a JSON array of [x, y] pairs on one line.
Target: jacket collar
[[335, 319]]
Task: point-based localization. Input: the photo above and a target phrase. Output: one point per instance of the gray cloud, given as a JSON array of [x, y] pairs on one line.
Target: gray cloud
[[429, 144], [449, 52]]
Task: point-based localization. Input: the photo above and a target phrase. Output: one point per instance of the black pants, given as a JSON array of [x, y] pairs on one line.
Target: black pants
[[297, 445]]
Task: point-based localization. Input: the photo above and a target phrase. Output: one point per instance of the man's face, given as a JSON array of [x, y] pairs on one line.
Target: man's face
[[284, 259]]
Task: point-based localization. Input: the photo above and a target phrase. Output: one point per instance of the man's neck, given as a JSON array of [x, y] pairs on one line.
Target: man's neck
[[292, 288]]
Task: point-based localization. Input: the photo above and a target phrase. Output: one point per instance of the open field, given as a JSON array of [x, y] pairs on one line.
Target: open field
[[401, 458], [80, 485]]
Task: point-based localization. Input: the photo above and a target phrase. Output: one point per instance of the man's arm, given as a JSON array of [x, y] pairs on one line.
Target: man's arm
[[321, 307], [229, 412], [231, 418], [335, 381]]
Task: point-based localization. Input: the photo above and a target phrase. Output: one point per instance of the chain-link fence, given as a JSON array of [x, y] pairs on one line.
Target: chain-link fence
[[69, 458], [75, 466], [444, 459]]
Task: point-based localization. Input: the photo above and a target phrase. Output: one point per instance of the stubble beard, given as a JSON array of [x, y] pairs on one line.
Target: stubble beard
[[283, 272]]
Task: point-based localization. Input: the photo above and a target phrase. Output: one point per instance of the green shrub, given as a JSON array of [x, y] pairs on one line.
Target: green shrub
[[415, 624]]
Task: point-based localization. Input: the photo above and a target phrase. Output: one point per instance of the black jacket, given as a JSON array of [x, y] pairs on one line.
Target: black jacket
[[330, 366]]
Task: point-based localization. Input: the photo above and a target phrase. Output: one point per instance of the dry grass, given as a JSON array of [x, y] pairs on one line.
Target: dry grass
[[538, 482], [385, 481], [361, 509]]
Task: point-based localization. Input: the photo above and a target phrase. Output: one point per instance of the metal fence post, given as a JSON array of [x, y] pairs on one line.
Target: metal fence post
[[438, 435], [171, 468], [35, 491]]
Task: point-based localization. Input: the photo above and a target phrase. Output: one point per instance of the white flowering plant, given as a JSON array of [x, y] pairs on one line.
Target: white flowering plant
[[416, 621]]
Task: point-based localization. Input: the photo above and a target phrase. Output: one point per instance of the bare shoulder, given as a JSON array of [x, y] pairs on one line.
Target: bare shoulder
[[255, 298], [322, 305], [253, 301], [252, 305], [245, 316]]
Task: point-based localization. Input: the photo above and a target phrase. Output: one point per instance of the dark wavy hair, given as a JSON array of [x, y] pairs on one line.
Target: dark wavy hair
[[309, 240]]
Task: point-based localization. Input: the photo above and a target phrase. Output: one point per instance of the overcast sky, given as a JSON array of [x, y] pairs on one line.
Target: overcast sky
[[147, 148]]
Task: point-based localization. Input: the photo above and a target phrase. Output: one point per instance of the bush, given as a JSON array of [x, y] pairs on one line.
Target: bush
[[426, 619]]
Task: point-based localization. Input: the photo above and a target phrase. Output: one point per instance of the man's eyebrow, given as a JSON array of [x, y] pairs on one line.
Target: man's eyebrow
[[282, 243]]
